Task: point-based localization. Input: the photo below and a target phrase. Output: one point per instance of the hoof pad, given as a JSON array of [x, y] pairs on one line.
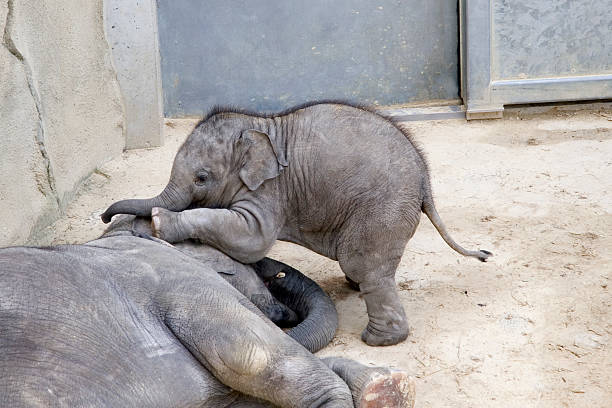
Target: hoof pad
[[394, 389]]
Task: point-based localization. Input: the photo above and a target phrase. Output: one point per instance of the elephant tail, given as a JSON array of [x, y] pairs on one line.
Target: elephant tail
[[429, 209], [313, 306]]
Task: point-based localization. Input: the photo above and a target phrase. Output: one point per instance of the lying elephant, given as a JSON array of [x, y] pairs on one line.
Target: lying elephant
[[340, 180], [259, 284], [129, 320]]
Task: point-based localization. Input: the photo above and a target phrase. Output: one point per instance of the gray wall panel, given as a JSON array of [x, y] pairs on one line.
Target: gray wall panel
[[529, 51], [269, 55], [542, 39]]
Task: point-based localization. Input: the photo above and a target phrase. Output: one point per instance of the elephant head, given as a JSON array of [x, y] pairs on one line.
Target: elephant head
[[221, 156]]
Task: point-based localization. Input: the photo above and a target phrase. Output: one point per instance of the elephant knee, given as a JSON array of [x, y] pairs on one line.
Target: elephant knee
[[245, 358], [248, 256], [253, 249]]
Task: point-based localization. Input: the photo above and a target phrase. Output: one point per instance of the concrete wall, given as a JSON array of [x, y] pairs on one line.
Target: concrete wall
[[61, 112], [132, 32]]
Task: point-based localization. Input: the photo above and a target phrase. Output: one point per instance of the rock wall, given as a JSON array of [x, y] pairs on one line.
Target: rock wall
[[61, 113]]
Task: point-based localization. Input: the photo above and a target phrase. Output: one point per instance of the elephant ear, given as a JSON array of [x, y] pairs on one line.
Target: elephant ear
[[259, 160]]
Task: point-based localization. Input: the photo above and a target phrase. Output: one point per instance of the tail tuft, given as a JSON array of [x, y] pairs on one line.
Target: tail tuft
[[483, 255]]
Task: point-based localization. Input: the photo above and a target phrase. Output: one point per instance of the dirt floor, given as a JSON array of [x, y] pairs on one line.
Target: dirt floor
[[530, 328]]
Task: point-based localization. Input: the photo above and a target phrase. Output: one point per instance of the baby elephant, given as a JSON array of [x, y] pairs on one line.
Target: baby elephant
[[340, 180], [130, 321]]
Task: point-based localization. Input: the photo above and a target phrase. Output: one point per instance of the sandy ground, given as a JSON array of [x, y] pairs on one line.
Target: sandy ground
[[530, 328]]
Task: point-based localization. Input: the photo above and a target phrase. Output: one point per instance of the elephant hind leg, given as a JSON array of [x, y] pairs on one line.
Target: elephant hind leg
[[374, 387], [387, 322], [370, 258]]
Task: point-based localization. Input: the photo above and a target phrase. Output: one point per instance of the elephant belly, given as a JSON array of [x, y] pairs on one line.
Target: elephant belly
[[83, 341], [120, 373], [323, 243]]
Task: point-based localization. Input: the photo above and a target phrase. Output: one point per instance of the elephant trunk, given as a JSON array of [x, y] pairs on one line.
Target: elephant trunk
[[301, 294], [169, 199]]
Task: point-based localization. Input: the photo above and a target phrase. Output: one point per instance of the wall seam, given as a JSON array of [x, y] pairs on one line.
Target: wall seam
[[107, 40], [40, 134]]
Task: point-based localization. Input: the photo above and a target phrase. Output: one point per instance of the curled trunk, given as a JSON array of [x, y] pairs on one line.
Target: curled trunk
[[317, 312], [169, 199]]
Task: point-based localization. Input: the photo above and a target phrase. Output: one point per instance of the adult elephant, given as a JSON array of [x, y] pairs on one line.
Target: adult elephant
[[129, 320], [340, 180]]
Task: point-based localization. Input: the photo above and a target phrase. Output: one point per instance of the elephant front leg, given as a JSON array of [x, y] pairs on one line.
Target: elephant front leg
[[249, 355], [371, 387], [374, 387], [243, 234], [167, 225]]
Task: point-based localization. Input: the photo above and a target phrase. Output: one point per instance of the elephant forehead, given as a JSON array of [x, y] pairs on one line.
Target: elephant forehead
[[217, 131], [211, 146], [195, 157], [219, 152]]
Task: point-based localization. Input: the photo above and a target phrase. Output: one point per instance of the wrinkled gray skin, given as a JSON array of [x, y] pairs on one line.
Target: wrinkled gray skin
[[313, 308], [339, 180], [126, 321]]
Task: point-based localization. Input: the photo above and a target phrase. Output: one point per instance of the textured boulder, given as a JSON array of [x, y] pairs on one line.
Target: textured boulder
[[62, 114]]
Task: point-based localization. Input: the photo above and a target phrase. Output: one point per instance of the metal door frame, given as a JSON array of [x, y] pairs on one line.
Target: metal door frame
[[485, 97]]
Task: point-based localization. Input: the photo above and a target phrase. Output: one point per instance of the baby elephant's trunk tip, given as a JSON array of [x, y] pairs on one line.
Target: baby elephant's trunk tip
[[134, 207], [106, 217]]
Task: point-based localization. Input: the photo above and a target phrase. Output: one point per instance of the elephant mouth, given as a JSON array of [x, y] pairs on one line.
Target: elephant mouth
[[195, 205]]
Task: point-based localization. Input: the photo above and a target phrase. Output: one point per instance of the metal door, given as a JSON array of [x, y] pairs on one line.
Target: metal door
[[525, 51], [269, 55]]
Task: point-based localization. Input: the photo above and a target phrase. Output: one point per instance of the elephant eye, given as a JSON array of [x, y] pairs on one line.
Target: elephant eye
[[201, 177]]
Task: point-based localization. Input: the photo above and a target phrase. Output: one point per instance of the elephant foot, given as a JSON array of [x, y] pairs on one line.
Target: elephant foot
[[393, 334], [165, 225], [387, 324], [387, 388]]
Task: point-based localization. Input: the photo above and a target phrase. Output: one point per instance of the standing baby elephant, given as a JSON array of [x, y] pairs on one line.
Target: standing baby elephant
[[340, 180]]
